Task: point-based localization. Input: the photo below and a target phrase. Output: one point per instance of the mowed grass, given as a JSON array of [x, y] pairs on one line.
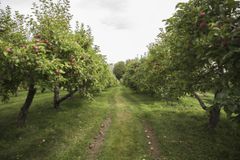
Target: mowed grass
[[125, 139], [51, 134], [180, 129]]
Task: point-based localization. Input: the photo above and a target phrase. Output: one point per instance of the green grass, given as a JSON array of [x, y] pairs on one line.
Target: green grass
[[180, 128], [51, 134], [125, 139]]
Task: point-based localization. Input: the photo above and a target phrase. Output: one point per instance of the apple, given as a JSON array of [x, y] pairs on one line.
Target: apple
[[36, 48], [46, 41], [57, 71], [101, 133], [9, 50], [91, 146], [37, 36], [24, 46], [202, 14], [72, 60], [203, 25], [225, 43], [37, 40]]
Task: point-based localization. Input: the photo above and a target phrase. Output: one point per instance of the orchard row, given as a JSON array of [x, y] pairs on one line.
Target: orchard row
[[199, 51], [41, 51]]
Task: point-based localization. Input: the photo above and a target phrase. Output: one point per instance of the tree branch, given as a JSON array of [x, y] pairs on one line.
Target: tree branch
[[67, 96], [200, 101]]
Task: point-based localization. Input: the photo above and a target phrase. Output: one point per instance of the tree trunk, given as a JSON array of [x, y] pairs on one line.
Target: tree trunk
[[56, 97], [214, 116], [58, 100], [214, 113], [24, 110]]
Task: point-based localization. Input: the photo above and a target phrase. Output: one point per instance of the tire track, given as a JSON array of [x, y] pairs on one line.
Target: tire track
[[96, 145], [152, 141]]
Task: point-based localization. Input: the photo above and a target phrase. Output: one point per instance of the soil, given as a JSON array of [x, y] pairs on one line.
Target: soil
[[152, 141], [95, 146]]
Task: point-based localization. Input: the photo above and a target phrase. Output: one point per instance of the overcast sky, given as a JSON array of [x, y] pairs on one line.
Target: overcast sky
[[122, 28]]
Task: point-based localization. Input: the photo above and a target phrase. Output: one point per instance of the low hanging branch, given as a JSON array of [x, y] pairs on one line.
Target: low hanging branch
[[58, 100], [200, 101], [70, 94]]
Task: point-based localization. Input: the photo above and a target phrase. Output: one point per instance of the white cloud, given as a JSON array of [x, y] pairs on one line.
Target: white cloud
[[111, 5], [122, 28], [117, 22]]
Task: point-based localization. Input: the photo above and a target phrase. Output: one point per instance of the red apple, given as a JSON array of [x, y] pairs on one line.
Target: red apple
[[203, 25], [46, 41], [36, 48], [225, 43], [202, 14]]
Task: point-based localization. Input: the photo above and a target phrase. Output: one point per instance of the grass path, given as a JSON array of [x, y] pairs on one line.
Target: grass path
[[118, 125], [126, 138]]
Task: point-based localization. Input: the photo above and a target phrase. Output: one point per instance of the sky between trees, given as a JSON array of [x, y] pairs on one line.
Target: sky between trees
[[122, 28]]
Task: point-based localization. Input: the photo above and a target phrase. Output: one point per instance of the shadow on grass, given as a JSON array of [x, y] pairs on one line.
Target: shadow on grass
[[182, 131], [46, 131]]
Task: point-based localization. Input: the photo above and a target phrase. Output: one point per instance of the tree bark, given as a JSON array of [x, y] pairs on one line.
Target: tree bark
[[56, 97], [58, 100], [214, 113], [214, 116], [200, 101], [70, 94], [24, 110]]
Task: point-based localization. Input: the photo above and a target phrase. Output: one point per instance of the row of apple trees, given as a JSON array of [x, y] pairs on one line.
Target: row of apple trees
[[41, 51], [199, 51]]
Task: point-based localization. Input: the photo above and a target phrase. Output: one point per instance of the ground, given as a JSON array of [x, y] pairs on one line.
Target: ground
[[117, 125]]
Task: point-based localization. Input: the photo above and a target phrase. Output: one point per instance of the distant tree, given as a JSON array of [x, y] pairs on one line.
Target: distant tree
[[119, 69]]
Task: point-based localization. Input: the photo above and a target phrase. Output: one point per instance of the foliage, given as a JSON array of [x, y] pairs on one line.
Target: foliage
[[41, 50], [198, 52], [119, 69], [22, 60]]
